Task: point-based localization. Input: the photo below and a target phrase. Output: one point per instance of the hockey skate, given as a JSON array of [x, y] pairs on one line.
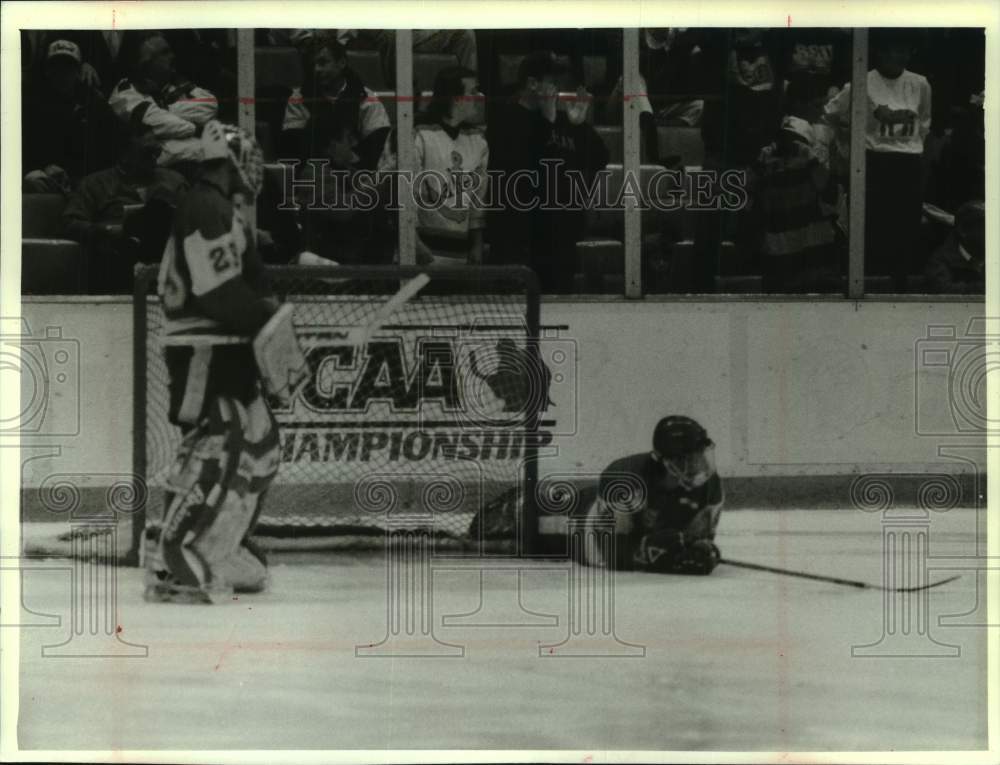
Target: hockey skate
[[171, 591]]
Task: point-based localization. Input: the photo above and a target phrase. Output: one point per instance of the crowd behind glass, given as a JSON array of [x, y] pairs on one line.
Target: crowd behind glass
[[111, 124]]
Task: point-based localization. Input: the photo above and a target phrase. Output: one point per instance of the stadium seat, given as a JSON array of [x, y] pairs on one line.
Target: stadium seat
[[263, 135], [742, 284], [677, 225], [426, 67], [281, 66], [368, 65], [613, 139], [610, 223], [879, 285], [566, 81], [595, 72], [41, 215], [646, 172], [599, 261], [670, 269], [272, 191], [52, 267], [508, 64], [388, 99], [684, 142]]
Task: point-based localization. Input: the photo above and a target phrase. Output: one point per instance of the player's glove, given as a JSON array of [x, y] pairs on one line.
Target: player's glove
[[668, 552], [700, 557], [659, 551]]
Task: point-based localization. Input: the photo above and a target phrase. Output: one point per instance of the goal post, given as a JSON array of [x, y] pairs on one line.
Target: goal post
[[435, 422]]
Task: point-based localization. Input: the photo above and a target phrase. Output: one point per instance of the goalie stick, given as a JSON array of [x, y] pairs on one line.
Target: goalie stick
[[356, 335], [360, 335], [280, 357], [834, 579]]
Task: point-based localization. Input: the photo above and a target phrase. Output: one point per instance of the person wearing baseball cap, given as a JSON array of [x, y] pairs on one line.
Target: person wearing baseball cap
[[64, 48], [798, 236], [66, 125]]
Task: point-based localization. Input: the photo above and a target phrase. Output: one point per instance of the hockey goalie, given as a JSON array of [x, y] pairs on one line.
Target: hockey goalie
[[662, 506], [217, 307]]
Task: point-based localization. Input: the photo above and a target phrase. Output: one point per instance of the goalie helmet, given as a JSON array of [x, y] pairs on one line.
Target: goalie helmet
[[221, 141], [683, 447]]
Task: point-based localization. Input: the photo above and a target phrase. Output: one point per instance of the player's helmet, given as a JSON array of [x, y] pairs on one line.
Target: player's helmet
[[221, 141], [685, 450], [676, 435]]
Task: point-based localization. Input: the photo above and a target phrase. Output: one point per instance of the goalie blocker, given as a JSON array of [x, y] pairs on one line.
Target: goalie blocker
[[663, 505]]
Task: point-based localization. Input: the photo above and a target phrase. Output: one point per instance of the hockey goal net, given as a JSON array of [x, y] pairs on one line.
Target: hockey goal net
[[433, 424]]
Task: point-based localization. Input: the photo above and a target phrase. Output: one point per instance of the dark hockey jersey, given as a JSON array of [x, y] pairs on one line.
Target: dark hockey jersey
[[211, 278], [644, 498]]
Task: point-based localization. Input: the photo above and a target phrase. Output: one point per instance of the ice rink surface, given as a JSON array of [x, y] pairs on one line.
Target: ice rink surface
[[740, 660]]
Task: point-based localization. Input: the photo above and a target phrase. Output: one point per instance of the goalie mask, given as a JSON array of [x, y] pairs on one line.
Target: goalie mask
[[221, 141], [684, 449]]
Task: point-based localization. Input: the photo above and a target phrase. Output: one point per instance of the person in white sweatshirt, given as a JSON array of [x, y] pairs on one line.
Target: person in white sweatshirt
[[899, 119]]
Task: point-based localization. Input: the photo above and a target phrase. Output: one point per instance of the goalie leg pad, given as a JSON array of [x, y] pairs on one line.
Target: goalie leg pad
[[244, 571], [219, 476]]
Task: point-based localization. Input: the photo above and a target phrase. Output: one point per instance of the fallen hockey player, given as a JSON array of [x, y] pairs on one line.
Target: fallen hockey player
[[662, 506]]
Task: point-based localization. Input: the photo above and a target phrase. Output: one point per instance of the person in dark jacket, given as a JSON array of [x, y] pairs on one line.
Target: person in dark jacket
[[122, 214], [335, 119], [333, 114], [531, 134]]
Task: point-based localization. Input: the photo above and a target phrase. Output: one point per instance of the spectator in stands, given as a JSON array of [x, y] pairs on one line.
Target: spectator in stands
[[899, 118], [960, 171], [806, 101], [743, 119], [670, 69], [521, 135], [746, 118], [123, 213], [332, 106], [818, 59], [451, 149], [207, 57], [106, 53], [958, 265], [335, 118], [175, 108], [798, 236], [66, 125]]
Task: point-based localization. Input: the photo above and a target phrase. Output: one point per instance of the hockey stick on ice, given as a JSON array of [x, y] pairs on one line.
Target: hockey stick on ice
[[834, 579]]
